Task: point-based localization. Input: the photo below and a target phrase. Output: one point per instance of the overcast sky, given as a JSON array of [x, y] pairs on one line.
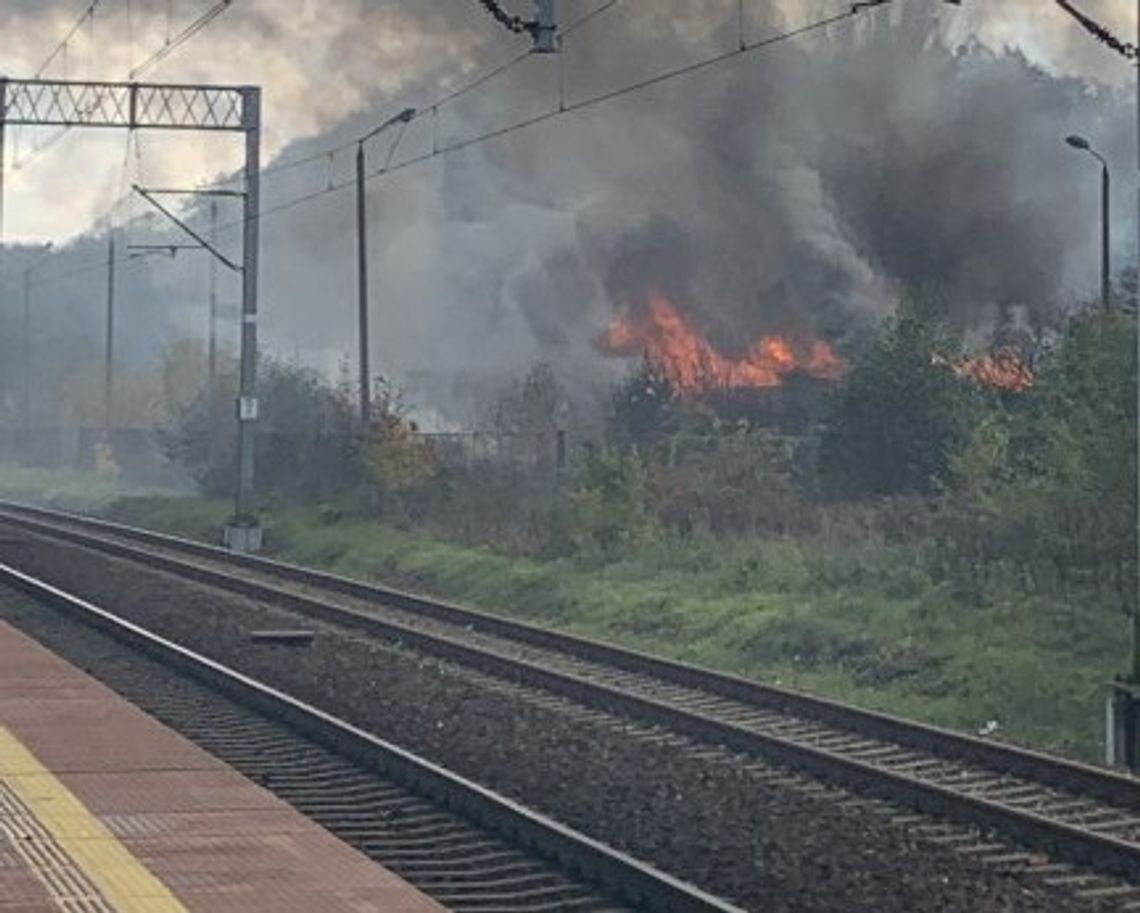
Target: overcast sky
[[321, 62]]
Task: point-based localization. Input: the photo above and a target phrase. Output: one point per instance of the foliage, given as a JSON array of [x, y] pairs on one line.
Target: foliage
[[643, 407], [611, 510], [308, 447], [900, 416], [399, 455], [1045, 487], [537, 404], [70, 489], [854, 620]]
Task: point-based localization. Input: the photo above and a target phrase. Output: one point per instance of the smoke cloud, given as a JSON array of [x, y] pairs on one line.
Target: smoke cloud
[[806, 187]]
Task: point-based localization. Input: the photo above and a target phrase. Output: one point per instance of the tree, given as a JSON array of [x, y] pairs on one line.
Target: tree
[[900, 415], [309, 443], [643, 407], [531, 406]]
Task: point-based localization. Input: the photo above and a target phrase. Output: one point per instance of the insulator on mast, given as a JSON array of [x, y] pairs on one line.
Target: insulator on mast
[[544, 28]]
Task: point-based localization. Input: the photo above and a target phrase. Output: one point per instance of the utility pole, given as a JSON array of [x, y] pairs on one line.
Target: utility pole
[[1079, 142], [109, 340], [1105, 233], [244, 533], [26, 361], [362, 292], [362, 265], [212, 338], [3, 131]]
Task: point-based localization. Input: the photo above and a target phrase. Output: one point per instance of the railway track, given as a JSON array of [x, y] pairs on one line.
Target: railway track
[[1073, 812], [469, 849]]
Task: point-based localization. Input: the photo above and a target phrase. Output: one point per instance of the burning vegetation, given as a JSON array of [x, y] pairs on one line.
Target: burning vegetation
[[1003, 369], [681, 354]]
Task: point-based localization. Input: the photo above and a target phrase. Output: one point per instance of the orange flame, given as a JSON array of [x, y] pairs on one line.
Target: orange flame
[[676, 349], [1004, 369]]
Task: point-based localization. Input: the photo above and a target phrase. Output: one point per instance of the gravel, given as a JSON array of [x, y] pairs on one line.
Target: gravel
[[762, 837]]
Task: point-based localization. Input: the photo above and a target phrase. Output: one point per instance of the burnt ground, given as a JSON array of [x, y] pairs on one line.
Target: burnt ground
[[737, 827]]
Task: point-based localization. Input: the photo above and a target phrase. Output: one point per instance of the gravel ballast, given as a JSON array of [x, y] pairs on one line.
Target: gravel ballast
[[754, 834]]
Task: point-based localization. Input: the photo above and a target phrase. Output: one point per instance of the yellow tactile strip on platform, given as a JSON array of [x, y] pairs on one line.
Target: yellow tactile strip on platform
[[82, 865]]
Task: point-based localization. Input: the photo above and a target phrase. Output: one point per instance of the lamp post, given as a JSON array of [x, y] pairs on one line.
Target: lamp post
[[1079, 142], [362, 263], [1122, 742]]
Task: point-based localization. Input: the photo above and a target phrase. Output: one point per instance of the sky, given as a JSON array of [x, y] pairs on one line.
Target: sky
[[322, 62]]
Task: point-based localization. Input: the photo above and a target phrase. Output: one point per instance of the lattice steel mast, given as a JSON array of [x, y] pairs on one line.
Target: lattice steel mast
[[161, 106]]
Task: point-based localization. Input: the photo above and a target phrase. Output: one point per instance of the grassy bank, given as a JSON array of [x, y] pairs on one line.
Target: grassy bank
[[859, 623], [70, 489]]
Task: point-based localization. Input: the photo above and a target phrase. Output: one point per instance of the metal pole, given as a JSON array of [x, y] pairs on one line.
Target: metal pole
[[26, 407], [247, 403], [109, 349], [1105, 271], [362, 290], [212, 337], [1136, 602], [3, 130]]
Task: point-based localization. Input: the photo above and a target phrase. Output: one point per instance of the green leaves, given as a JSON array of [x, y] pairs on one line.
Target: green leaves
[[900, 416]]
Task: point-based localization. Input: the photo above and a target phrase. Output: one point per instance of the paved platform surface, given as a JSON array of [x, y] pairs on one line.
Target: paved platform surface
[[105, 810]]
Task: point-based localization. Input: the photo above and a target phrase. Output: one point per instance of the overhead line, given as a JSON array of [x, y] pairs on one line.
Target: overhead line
[[157, 57], [181, 38], [552, 114], [428, 109], [37, 151], [88, 11], [569, 108]]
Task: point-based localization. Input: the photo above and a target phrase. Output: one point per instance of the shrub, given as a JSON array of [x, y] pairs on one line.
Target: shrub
[[611, 510]]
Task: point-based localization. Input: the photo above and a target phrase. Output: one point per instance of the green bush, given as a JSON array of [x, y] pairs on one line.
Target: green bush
[[899, 417], [1044, 489], [611, 511]]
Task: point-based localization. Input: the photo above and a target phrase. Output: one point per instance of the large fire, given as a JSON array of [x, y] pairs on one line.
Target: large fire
[[677, 350], [1004, 369]]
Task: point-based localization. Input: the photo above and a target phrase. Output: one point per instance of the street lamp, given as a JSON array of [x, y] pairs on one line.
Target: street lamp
[[403, 117], [1079, 142], [1122, 741], [25, 404]]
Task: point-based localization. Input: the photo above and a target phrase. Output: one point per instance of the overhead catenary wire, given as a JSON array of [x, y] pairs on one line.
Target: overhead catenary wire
[[524, 124], [61, 48], [429, 109], [569, 108], [171, 45], [59, 51]]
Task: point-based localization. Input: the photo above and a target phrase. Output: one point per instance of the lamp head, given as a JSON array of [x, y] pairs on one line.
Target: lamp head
[[1078, 142]]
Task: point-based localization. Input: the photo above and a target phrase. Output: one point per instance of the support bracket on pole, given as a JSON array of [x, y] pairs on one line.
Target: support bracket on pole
[[202, 242]]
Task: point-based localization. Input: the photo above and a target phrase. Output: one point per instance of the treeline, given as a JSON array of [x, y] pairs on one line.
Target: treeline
[[1037, 487], [1034, 487]]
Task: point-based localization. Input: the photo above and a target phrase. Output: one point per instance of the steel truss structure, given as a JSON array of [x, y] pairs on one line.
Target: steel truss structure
[[152, 106], [158, 106]]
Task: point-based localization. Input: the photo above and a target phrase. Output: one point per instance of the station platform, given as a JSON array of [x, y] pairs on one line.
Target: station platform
[[105, 810]]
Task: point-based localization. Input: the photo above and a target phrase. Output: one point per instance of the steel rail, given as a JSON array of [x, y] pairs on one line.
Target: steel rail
[[1098, 850], [1063, 773], [627, 878]]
